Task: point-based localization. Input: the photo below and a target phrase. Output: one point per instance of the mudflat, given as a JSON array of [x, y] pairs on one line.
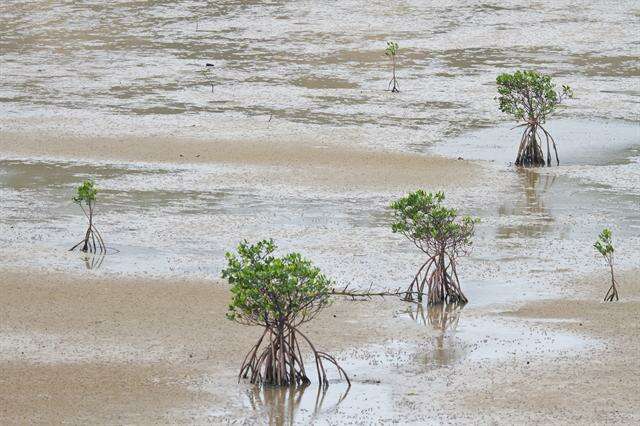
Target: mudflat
[[292, 135], [79, 348]]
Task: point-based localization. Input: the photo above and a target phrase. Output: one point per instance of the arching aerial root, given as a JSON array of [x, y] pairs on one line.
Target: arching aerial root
[[439, 276], [276, 359], [396, 86], [612, 293], [92, 242], [530, 152]]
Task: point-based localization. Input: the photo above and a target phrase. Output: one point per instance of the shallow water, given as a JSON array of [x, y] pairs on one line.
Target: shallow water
[[170, 219], [383, 376]]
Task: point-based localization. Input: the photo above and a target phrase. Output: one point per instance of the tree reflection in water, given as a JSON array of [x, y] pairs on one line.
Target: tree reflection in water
[[443, 318], [93, 261], [539, 220], [290, 405]]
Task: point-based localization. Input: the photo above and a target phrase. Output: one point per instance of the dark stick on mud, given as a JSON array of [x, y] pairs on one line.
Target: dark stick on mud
[[86, 198]]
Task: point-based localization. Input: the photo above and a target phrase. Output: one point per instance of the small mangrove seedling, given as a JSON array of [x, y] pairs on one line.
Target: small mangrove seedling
[[531, 96], [392, 51], [86, 198], [604, 246], [279, 294], [438, 232]]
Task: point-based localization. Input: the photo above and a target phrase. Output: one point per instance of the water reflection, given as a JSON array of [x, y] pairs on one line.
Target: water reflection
[[295, 404], [533, 186], [92, 261], [442, 317], [444, 348]]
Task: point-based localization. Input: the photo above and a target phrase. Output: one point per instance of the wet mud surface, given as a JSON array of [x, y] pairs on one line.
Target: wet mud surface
[[77, 74]]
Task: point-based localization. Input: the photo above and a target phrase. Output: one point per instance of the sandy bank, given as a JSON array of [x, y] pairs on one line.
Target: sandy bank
[[337, 158], [597, 386], [132, 350]]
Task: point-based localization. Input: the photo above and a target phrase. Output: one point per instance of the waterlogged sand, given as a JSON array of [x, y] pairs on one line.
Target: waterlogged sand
[[300, 158], [298, 140], [599, 386], [121, 350], [130, 350]]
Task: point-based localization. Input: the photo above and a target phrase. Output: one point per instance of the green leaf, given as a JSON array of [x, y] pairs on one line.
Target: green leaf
[[267, 289]]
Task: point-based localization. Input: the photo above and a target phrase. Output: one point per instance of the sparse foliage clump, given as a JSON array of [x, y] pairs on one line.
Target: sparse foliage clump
[[531, 97], [279, 294], [391, 51], [439, 233], [604, 246], [85, 197]]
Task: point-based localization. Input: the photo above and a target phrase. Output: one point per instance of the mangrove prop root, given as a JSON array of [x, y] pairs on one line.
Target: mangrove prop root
[[92, 241], [394, 80], [438, 274], [530, 153], [276, 359], [396, 86], [612, 293]]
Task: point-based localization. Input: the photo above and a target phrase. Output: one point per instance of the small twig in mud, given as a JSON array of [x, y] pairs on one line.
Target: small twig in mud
[[366, 294], [207, 75], [604, 246]]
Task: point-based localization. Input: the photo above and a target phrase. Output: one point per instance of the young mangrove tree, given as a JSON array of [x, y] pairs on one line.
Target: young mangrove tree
[[85, 197], [604, 246], [391, 51], [438, 232], [279, 294], [531, 97]]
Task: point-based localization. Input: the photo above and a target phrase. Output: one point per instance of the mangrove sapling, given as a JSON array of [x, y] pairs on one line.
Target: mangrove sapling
[[86, 198], [604, 246], [392, 51], [531, 96], [438, 232], [279, 294]]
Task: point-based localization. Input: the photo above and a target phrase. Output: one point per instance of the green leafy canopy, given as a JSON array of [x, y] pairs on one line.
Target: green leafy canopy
[[268, 290], [423, 218], [85, 193], [604, 244], [392, 48], [529, 95]]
